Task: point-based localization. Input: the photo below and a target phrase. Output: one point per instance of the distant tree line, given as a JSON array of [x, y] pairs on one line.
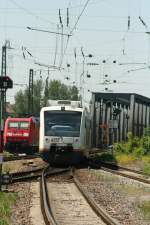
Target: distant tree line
[[42, 91]]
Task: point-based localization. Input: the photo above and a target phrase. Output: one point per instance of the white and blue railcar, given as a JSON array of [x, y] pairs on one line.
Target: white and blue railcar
[[62, 132]]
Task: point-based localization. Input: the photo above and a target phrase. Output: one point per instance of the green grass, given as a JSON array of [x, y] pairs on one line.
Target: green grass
[[128, 159], [145, 209], [125, 159], [105, 157], [7, 154], [6, 201], [146, 169]]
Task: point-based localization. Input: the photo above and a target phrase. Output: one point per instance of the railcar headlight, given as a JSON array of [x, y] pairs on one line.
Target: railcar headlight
[[47, 140], [76, 140], [26, 134], [9, 134]]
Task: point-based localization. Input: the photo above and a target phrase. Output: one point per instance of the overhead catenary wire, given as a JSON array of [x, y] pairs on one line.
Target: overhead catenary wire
[[67, 17], [56, 46], [47, 31], [62, 40], [129, 22], [61, 52], [142, 21], [60, 20], [29, 12], [74, 27]]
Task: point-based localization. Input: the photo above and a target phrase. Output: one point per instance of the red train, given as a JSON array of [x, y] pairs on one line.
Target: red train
[[21, 134]]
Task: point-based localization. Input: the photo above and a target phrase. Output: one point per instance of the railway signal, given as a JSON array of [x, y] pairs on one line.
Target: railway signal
[[6, 82]]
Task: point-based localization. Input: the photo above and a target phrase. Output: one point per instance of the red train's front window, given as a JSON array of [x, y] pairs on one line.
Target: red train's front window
[[24, 125], [13, 125], [19, 125]]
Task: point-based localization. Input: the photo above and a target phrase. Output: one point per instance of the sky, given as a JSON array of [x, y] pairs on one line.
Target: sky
[[113, 32]]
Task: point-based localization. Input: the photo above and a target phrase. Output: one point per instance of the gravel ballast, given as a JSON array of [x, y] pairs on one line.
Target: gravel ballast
[[119, 196]]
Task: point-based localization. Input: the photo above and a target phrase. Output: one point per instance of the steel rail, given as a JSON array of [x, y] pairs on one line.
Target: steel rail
[[112, 168], [126, 175], [13, 158], [45, 204], [97, 209], [26, 176]]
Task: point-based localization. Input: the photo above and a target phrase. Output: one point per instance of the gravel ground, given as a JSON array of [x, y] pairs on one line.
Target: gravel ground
[[22, 165], [21, 208], [117, 195]]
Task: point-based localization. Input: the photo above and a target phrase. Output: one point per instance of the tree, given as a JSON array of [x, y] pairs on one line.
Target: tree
[[46, 92], [38, 87], [74, 93], [21, 102], [21, 99], [53, 90], [57, 90]]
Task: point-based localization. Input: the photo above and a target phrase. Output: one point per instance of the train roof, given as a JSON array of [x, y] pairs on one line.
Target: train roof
[[120, 97], [62, 108], [76, 104], [35, 119]]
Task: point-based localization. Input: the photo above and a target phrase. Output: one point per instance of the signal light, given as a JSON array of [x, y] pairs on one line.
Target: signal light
[[6, 82]]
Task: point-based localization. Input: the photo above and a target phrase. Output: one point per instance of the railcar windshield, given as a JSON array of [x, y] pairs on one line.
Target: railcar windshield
[[18, 125], [62, 123], [24, 125], [13, 125]]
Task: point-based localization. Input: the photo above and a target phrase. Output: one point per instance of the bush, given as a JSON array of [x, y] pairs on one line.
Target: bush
[[138, 152], [125, 159], [135, 145], [129, 146], [145, 142], [119, 148]]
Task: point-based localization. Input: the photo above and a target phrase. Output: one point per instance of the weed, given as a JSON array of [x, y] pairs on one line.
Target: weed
[[145, 209], [124, 159], [6, 168], [7, 154], [6, 200], [146, 168]]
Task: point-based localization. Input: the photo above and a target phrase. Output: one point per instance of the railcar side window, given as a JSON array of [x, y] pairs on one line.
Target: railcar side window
[[62, 123]]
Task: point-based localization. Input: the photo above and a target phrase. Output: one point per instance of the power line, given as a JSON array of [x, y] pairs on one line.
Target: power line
[[56, 46], [50, 9], [71, 32], [78, 29], [48, 31], [29, 12], [74, 27]]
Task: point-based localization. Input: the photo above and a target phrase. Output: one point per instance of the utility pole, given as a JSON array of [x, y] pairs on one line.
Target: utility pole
[[30, 95], [5, 83], [2, 97], [3, 91]]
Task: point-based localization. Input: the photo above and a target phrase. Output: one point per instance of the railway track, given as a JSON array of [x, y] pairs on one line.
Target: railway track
[[31, 174], [64, 201], [122, 171], [27, 175], [20, 157]]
